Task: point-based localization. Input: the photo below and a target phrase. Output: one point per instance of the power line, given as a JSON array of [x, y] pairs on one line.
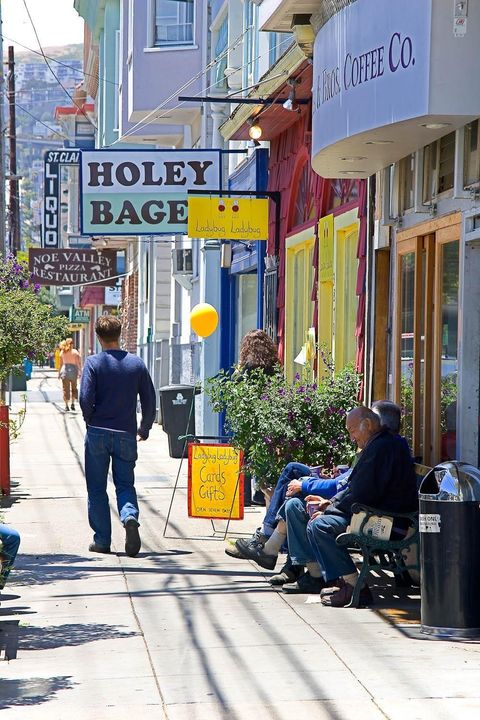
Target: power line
[[59, 62], [51, 69], [23, 109], [42, 123]]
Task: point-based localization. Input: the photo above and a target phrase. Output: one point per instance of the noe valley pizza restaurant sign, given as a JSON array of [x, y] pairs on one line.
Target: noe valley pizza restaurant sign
[[72, 267], [143, 192]]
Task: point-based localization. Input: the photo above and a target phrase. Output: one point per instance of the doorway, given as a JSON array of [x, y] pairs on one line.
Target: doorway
[[426, 337]]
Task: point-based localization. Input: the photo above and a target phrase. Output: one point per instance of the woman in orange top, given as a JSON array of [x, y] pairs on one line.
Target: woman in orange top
[[69, 372]]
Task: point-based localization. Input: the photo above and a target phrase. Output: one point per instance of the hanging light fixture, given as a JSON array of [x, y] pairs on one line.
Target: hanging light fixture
[[291, 102], [255, 130]]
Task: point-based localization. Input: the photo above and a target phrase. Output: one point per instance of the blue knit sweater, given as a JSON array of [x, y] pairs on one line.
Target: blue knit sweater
[[111, 383]]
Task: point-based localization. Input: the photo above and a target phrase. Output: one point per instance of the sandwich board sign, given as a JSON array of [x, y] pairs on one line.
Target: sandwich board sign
[[215, 481]]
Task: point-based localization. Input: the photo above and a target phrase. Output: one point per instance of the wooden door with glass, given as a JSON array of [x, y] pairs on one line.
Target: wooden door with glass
[[426, 337]]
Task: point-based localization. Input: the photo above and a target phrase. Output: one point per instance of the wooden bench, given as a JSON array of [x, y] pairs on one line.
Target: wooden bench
[[378, 554]]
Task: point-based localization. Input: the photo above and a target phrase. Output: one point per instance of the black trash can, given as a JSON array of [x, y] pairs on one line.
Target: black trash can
[[19, 379], [177, 406], [450, 551]]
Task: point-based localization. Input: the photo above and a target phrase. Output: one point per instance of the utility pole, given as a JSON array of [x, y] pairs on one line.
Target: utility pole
[[14, 192], [3, 235]]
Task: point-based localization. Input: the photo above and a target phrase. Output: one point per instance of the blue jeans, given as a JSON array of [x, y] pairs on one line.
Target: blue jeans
[[334, 560], [101, 445], [10, 543], [292, 471], [297, 518]]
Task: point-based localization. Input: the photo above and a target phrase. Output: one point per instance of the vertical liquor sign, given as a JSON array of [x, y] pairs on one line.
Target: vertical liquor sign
[[53, 160]]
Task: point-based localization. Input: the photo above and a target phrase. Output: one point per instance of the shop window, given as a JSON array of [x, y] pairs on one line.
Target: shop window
[[246, 306], [304, 207], [471, 163], [343, 192], [278, 43], [406, 182], [250, 26], [173, 22], [438, 167], [446, 162], [346, 300], [221, 45], [299, 304]]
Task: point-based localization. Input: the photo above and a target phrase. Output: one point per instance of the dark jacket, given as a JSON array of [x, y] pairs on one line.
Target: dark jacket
[[383, 478]]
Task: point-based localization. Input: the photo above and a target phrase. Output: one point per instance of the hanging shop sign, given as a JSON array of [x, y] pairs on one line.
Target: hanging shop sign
[[143, 192], [79, 315], [75, 327], [53, 160], [215, 481], [73, 267], [227, 218]]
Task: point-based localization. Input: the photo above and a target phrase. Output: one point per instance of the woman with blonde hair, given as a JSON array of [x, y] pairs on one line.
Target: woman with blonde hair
[[69, 372]]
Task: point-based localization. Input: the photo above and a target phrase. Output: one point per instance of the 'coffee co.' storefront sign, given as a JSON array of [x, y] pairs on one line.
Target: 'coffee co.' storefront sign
[[386, 82], [144, 192], [73, 267]]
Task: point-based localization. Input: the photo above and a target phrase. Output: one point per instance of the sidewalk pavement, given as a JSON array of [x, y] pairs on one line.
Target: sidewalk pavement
[[183, 631]]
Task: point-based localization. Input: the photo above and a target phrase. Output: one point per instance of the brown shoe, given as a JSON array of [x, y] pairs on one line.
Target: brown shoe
[[331, 586], [343, 596]]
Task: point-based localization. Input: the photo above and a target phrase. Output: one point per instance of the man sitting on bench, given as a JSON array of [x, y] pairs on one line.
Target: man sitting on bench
[[383, 477], [302, 480]]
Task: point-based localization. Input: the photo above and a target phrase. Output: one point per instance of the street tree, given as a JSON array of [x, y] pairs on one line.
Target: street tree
[[28, 327]]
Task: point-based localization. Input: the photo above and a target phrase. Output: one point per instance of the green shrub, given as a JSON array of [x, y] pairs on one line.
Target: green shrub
[[276, 422]]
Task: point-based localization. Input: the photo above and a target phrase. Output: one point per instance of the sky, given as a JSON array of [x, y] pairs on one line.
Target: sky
[[56, 21]]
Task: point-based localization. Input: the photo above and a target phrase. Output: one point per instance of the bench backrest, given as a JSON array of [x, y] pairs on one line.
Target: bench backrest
[[420, 472]]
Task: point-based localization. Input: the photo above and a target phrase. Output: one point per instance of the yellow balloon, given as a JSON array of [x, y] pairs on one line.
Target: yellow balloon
[[203, 319]]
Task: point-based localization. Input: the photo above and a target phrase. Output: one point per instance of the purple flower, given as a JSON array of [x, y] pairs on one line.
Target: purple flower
[[24, 284], [36, 288], [297, 376]]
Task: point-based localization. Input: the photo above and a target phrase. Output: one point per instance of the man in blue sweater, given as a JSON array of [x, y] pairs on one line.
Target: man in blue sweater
[[111, 382]]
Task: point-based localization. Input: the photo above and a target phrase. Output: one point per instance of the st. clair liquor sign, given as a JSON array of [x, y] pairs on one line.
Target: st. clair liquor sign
[[143, 192], [73, 267]]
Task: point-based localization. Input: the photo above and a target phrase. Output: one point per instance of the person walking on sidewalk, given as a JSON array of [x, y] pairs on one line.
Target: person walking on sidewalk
[[111, 382], [69, 372]]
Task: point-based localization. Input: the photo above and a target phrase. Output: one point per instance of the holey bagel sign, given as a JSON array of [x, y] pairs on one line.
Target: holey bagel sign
[[144, 192]]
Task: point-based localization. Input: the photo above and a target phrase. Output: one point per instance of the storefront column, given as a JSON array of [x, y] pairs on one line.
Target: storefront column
[[468, 405]]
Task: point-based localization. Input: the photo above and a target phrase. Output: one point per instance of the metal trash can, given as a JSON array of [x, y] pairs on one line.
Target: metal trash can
[[177, 406], [450, 551], [19, 379]]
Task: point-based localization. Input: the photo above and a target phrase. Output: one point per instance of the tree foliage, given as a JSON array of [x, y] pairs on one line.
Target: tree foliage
[[28, 328]]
